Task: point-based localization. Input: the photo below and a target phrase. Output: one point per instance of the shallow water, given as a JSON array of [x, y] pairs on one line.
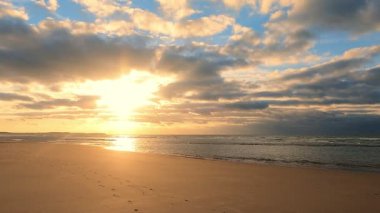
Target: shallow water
[[333, 152]]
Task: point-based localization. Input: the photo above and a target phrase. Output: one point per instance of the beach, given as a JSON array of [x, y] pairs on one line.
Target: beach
[[42, 177]]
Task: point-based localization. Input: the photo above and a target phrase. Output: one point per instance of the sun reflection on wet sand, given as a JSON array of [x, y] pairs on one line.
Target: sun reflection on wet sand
[[122, 144]]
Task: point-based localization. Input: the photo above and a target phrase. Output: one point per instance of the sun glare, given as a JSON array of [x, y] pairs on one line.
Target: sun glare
[[123, 96], [119, 99], [123, 144]]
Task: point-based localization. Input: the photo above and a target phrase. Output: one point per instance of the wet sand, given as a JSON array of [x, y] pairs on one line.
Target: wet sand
[[73, 178]]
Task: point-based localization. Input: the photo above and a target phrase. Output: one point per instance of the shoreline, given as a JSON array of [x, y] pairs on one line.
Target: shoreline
[[41, 177], [265, 163], [269, 162], [272, 163]]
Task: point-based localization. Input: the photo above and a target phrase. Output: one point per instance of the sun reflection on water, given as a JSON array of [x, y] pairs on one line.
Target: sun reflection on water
[[122, 144]]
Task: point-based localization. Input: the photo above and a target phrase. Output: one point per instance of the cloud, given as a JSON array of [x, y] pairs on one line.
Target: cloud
[[356, 87], [82, 102], [198, 74], [51, 5], [237, 4], [58, 114], [176, 9], [29, 54], [312, 122], [277, 15], [211, 89], [141, 19], [343, 80], [106, 27], [339, 97], [201, 27], [251, 105], [276, 47], [263, 6], [50, 52], [8, 9], [14, 97], [326, 69], [103, 8], [357, 16], [351, 59]]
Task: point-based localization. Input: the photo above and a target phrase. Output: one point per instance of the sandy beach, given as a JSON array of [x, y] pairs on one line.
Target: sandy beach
[[73, 178]]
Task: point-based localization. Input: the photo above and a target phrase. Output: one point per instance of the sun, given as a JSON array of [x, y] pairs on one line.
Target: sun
[[126, 94], [121, 100], [123, 96]]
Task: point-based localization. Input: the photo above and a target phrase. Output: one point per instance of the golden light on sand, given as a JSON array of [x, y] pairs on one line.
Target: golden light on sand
[[123, 144]]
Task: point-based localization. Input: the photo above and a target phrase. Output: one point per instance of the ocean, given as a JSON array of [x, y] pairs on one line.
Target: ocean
[[353, 153]]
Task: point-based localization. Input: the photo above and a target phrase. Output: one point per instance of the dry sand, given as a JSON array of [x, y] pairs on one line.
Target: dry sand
[[73, 178]]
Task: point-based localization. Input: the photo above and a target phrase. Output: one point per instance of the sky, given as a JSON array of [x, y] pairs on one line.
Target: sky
[[260, 67]]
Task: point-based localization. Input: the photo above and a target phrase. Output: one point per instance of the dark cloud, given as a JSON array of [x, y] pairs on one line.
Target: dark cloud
[[198, 74], [29, 54], [276, 46], [211, 89], [371, 77], [357, 87], [14, 97], [191, 62], [317, 123], [359, 16], [249, 105], [349, 87], [60, 114], [330, 68], [82, 102], [344, 80], [298, 40]]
